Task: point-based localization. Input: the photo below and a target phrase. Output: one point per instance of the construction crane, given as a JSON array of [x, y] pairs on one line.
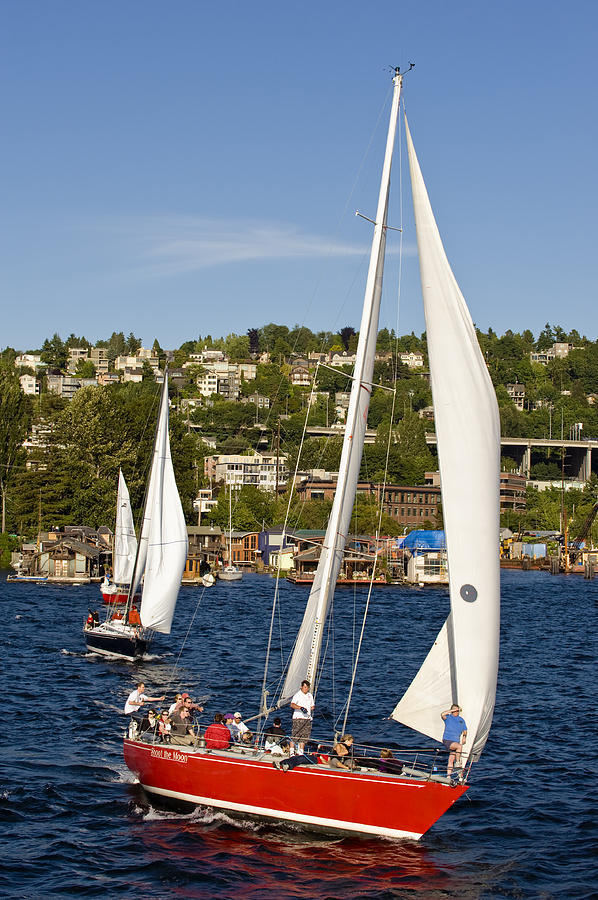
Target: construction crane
[[575, 546]]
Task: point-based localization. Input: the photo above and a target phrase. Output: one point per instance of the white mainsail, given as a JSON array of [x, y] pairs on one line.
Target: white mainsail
[[125, 541], [163, 540], [462, 665], [305, 657]]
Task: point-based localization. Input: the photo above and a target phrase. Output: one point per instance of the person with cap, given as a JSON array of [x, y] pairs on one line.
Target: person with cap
[[455, 735], [229, 721], [137, 698], [240, 724], [186, 701]]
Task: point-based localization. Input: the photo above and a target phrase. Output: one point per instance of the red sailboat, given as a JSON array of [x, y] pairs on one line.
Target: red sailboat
[[461, 667]]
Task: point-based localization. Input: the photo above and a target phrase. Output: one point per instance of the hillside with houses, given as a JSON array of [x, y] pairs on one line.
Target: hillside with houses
[[73, 413]]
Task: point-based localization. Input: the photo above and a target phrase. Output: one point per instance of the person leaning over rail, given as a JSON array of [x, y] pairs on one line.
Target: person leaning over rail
[[137, 698], [454, 737]]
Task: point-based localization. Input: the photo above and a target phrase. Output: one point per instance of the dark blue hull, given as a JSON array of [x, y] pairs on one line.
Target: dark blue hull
[[115, 645]]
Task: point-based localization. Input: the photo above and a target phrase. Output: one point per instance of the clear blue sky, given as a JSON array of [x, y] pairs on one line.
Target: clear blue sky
[[177, 169]]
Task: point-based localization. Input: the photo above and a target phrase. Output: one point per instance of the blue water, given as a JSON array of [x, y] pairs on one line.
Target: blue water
[[74, 823]]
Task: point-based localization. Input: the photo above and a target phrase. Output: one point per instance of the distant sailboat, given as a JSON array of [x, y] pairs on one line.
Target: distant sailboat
[[160, 559], [230, 572], [125, 548], [405, 800]]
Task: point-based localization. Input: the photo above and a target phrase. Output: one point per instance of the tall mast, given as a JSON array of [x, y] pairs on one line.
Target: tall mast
[[304, 663]]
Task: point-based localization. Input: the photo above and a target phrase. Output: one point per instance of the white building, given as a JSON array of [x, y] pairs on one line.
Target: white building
[[413, 360], [28, 360], [237, 470], [29, 385]]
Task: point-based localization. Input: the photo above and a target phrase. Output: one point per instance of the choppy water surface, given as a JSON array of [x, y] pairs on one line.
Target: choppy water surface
[[75, 823]]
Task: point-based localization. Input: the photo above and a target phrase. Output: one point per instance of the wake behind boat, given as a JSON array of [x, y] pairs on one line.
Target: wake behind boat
[[159, 559], [403, 800]]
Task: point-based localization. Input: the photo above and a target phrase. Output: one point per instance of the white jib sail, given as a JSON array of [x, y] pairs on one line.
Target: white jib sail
[[462, 665], [125, 541], [305, 658], [166, 551]]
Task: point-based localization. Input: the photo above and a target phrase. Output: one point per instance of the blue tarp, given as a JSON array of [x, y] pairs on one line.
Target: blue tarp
[[425, 540]]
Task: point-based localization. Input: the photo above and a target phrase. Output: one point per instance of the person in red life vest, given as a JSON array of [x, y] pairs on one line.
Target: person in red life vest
[[134, 617], [217, 734]]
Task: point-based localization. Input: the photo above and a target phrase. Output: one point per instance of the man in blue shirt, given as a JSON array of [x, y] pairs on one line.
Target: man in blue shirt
[[455, 735]]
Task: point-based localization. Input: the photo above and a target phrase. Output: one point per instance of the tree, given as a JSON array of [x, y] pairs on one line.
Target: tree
[[54, 352], [85, 369], [132, 344], [13, 428], [254, 341], [346, 334]]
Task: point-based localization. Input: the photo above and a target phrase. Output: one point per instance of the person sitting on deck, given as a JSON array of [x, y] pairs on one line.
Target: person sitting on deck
[[340, 758], [181, 731], [149, 722], [164, 726], [247, 738], [217, 734], [229, 721], [274, 737], [240, 724], [455, 735]]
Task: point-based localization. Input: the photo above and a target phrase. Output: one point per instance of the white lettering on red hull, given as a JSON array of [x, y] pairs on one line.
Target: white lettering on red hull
[[173, 755]]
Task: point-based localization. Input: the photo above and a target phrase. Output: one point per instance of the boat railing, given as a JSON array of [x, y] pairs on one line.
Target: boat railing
[[423, 763]]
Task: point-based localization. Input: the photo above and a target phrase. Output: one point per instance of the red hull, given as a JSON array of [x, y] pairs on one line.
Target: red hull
[[114, 598], [363, 803]]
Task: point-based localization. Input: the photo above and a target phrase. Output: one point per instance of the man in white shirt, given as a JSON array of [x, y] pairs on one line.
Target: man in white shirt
[[137, 698], [241, 726], [303, 706]]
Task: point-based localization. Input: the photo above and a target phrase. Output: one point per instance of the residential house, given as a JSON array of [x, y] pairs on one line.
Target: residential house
[[29, 361], [300, 376], [413, 360], [517, 394], [66, 386], [342, 359], [204, 502], [559, 350], [263, 470], [74, 554], [260, 400], [29, 384], [244, 547], [75, 355], [99, 357], [205, 546]]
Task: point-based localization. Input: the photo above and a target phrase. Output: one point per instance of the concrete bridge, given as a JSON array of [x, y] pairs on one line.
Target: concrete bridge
[[580, 457]]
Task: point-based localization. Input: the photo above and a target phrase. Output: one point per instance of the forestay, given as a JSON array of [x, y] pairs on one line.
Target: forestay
[[462, 665]]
